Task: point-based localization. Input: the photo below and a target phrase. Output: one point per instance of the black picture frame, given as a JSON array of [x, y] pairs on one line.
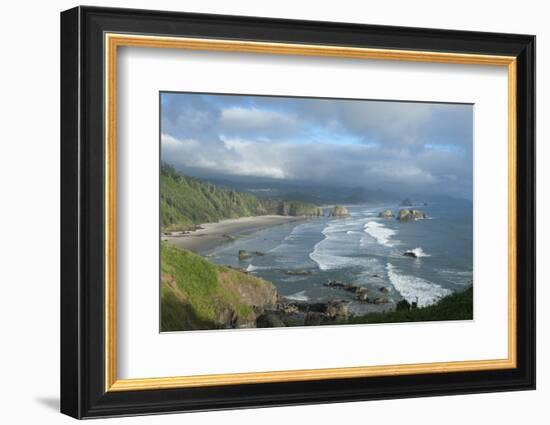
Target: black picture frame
[[83, 392]]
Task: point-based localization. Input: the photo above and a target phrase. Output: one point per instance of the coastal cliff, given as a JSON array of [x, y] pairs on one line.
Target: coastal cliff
[[196, 294]]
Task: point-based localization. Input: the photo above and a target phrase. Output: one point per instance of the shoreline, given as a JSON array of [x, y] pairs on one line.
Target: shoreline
[[210, 235]]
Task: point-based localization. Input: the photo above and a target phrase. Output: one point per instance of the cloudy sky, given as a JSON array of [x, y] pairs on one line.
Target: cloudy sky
[[401, 147]]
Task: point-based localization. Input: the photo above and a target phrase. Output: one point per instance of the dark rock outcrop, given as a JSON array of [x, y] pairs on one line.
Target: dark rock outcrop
[[386, 214], [298, 272], [411, 215], [337, 310], [341, 285], [244, 255], [313, 318], [362, 294], [339, 211], [269, 320]]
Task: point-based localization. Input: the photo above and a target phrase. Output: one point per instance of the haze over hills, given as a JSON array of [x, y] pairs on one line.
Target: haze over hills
[[319, 194], [296, 190]]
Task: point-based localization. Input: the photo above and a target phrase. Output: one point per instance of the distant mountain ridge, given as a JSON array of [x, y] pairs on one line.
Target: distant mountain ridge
[[306, 192], [187, 201]]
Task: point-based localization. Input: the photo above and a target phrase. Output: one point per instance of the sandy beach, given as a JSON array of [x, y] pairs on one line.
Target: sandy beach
[[210, 235]]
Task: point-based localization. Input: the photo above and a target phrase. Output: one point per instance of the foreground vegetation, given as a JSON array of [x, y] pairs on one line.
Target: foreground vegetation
[[188, 201], [196, 294]]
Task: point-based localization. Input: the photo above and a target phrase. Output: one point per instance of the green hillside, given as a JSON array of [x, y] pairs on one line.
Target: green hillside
[[187, 201], [196, 294]]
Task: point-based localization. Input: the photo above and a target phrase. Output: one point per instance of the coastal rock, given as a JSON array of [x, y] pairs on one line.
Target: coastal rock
[[386, 214], [337, 310], [384, 289], [298, 272], [411, 215], [382, 300], [287, 308], [362, 294], [240, 322], [339, 212], [341, 285], [259, 253], [239, 269], [244, 255], [269, 320], [225, 318], [410, 254], [318, 307], [419, 215], [314, 318], [406, 203]]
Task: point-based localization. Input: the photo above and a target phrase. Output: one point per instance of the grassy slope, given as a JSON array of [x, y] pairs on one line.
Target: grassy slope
[[196, 294], [457, 306], [186, 201]]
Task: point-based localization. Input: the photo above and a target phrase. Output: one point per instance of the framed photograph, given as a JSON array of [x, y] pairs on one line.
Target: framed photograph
[[261, 212]]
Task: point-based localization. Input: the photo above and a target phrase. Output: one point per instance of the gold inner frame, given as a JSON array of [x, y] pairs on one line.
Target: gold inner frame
[[113, 41]]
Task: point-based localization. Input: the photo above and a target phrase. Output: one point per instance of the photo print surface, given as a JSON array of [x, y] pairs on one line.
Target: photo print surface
[[292, 211]]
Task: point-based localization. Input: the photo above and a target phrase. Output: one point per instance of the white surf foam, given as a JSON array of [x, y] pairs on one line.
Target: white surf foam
[[298, 296], [380, 232], [415, 289], [339, 248], [251, 268], [418, 252]]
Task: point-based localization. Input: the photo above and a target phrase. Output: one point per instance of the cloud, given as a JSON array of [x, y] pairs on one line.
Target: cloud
[[238, 119], [396, 146]]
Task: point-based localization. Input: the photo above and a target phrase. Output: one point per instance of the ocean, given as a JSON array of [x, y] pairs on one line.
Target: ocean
[[363, 250]]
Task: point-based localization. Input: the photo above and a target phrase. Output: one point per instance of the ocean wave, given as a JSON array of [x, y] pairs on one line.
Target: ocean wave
[[458, 277], [418, 252], [415, 289], [338, 250], [326, 261], [298, 296], [380, 232]]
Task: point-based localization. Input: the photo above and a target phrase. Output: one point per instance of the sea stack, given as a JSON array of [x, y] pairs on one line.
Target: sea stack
[[339, 212], [386, 214], [244, 255], [411, 215]]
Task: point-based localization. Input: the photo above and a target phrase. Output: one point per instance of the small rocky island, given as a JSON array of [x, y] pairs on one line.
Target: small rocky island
[[339, 211], [411, 215], [386, 214]]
